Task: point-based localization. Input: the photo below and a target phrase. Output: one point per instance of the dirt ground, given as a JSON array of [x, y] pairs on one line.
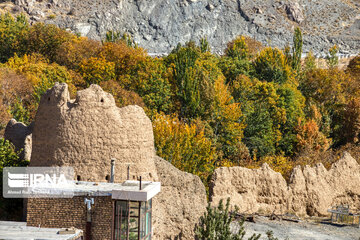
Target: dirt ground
[[304, 230]]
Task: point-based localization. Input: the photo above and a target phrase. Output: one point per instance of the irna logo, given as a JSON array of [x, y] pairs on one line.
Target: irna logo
[[19, 180]]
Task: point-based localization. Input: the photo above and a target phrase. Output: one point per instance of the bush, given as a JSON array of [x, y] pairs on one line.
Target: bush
[[15, 97], [354, 68], [215, 224]]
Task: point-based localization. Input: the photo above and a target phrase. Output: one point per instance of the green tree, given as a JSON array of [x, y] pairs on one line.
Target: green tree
[[46, 39], [150, 79], [215, 224], [332, 58], [204, 45], [183, 61], [297, 50], [271, 66], [11, 209], [13, 36]]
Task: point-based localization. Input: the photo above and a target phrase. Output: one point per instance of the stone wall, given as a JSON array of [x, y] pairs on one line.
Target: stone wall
[[311, 191], [71, 212]]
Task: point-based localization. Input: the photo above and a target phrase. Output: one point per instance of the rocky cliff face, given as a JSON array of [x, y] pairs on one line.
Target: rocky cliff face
[[88, 131], [159, 25], [312, 191]]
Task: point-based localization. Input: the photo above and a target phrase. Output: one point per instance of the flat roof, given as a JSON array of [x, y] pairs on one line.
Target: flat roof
[[19, 230], [128, 190]]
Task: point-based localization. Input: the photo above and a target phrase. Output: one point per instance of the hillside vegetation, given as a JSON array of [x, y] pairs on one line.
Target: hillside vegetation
[[252, 105]]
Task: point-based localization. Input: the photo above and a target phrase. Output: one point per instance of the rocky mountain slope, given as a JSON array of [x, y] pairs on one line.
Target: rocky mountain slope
[[159, 25]]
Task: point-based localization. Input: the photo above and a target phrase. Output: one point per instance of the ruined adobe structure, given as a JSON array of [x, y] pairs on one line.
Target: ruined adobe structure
[[90, 130], [311, 191], [87, 132]]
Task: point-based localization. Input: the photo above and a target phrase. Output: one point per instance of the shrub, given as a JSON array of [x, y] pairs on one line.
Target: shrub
[[11, 209], [15, 97], [354, 68], [237, 48], [215, 224]]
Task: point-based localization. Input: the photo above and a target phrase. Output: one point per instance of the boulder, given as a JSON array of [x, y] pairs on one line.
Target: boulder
[[294, 12]]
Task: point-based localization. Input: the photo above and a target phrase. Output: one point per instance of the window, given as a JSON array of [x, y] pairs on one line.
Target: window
[[132, 220]]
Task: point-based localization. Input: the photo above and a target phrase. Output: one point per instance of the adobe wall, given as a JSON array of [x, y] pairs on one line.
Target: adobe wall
[[87, 132], [71, 212], [311, 191]]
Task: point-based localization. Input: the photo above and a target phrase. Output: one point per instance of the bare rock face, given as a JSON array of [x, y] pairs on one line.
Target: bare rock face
[[294, 12], [311, 191], [87, 132], [20, 136], [159, 25], [182, 200]]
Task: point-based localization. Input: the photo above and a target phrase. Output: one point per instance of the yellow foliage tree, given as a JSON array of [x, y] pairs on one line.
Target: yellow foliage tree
[[228, 124], [271, 66], [41, 74], [184, 145], [72, 53], [96, 69]]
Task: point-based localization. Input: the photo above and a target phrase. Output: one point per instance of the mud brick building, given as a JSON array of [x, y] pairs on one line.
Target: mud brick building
[[103, 211]]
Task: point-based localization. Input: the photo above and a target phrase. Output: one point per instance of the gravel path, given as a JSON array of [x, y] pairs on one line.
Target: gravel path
[[300, 231]]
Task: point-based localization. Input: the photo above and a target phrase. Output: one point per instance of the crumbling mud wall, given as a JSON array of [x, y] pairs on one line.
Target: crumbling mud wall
[[87, 132], [20, 135], [311, 191], [180, 203]]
